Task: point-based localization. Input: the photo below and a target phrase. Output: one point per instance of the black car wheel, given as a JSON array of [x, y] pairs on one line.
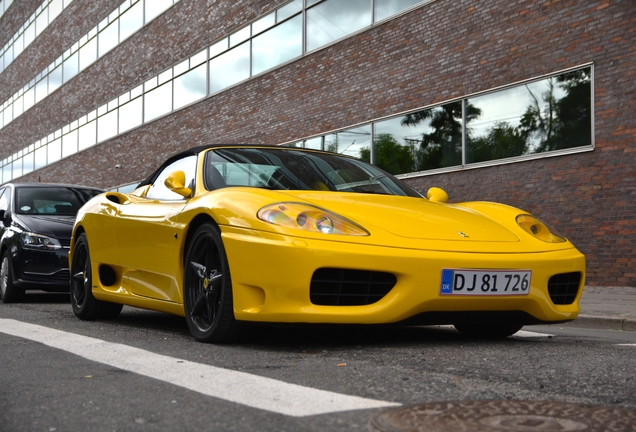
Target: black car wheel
[[86, 306], [9, 293], [488, 330], [207, 288]]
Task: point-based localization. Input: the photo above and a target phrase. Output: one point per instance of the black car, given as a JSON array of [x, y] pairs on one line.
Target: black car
[[35, 235]]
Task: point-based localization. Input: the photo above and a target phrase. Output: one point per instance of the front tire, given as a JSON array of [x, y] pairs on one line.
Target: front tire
[[490, 331], [9, 293], [207, 288], [85, 306]]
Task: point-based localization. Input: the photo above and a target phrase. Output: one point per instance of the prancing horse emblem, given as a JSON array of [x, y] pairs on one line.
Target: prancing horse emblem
[[463, 234]]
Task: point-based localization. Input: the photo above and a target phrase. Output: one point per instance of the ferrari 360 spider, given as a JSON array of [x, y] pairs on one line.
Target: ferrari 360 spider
[[226, 234]]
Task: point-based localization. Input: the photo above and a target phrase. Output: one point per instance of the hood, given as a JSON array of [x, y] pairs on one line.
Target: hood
[[59, 227], [412, 218]]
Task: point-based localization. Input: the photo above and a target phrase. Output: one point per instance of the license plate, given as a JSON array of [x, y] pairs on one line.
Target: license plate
[[485, 282]]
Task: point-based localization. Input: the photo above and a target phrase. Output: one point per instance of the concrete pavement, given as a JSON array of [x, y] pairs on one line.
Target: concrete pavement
[[611, 308]]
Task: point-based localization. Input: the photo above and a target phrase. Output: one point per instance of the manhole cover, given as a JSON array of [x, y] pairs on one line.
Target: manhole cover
[[506, 415]]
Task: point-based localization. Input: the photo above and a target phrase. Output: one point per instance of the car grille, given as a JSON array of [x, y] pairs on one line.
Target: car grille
[[341, 287], [564, 287]]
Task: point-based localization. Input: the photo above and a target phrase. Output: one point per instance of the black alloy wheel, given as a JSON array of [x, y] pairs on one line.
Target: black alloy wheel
[[207, 288], [85, 305], [9, 293]]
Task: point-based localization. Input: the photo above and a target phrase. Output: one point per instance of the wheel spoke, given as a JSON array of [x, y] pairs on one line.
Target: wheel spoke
[[199, 270]]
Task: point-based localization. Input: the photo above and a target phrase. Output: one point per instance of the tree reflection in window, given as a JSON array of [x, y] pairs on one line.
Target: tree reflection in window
[[547, 115]]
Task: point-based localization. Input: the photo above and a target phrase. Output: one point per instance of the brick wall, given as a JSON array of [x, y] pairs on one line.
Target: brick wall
[[443, 50]]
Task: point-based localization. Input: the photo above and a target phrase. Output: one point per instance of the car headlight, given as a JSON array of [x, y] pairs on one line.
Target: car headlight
[[309, 218], [539, 229], [40, 242]]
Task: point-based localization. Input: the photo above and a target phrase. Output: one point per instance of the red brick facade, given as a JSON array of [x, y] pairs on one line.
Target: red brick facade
[[438, 52]]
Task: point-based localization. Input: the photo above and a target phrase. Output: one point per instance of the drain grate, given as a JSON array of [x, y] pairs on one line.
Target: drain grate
[[506, 415]]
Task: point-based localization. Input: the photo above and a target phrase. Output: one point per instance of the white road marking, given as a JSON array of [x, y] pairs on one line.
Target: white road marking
[[520, 333], [529, 334], [239, 387], [626, 344]]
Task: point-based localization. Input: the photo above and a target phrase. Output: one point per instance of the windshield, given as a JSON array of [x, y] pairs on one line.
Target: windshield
[[298, 170], [58, 200]]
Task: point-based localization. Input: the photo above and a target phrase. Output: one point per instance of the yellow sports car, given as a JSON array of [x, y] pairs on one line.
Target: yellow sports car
[[229, 234]]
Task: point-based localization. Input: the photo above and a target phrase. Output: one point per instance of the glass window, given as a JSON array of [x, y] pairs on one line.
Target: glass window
[[4, 199], [27, 163], [422, 140], [19, 45], [29, 34], [288, 10], [41, 21], [55, 8], [8, 55], [55, 79], [296, 170], [71, 66], [17, 168], [158, 189], [6, 173], [277, 45], [240, 36], [40, 157], [87, 135], [54, 152], [351, 142], [88, 54], [107, 126], [219, 47], [333, 19], [131, 21], [230, 68], [41, 89], [264, 23], [314, 143], [155, 7], [7, 115], [49, 200], [18, 106], [158, 102], [190, 87], [551, 114], [108, 38], [130, 115], [69, 143], [29, 98], [386, 8]]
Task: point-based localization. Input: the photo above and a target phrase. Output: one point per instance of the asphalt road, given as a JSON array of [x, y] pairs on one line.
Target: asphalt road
[[143, 372]]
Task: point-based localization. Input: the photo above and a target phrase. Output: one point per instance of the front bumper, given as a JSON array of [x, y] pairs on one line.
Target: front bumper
[[271, 275], [43, 270]]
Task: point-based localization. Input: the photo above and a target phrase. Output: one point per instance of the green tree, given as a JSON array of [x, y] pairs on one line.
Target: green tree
[[390, 155], [501, 141], [558, 123], [443, 146]]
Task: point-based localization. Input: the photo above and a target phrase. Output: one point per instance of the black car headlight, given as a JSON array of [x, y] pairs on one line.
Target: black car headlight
[[309, 218], [539, 229], [40, 242]]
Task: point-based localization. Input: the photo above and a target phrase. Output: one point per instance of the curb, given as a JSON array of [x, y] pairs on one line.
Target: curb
[[603, 322]]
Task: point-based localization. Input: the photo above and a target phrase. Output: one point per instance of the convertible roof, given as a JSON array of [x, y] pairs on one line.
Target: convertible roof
[[194, 151]]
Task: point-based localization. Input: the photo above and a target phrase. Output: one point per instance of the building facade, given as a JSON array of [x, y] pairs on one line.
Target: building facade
[[528, 103]]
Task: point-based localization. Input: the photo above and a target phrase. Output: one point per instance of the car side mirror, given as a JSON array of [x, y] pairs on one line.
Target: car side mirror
[[176, 183], [436, 194]]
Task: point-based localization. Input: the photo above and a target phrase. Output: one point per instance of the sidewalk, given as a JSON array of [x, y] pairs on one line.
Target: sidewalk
[[611, 308]]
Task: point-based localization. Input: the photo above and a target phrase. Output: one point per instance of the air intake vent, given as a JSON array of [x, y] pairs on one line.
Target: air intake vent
[[564, 287], [341, 287]]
